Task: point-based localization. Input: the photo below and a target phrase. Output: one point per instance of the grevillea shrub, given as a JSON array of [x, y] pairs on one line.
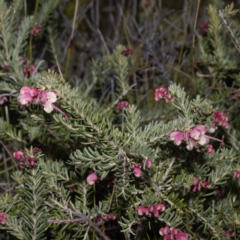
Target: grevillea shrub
[[98, 159]]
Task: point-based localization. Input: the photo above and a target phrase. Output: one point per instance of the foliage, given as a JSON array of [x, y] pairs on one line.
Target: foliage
[[115, 164]]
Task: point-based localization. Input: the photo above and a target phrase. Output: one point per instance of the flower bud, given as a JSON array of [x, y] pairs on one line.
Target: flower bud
[[92, 178], [141, 210], [149, 163], [137, 172]]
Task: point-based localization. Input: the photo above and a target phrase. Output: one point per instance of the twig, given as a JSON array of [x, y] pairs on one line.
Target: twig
[[83, 219], [168, 170]]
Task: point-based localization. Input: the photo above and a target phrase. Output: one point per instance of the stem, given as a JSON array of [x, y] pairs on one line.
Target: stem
[[59, 110]]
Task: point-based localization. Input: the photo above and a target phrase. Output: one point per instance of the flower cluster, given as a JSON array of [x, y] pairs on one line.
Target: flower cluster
[[197, 184], [106, 218], [173, 234], [220, 119], [92, 178], [3, 218], [36, 96], [196, 136], [36, 30], [137, 171], [163, 92], [236, 174], [27, 159], [151, 210], [122, 105]]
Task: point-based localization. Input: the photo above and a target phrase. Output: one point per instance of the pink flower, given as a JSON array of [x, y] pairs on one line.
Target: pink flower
[[197, 132], [18, 155], [204, 27], [174, 231], [141, 210], [169, 237], [3, 218], [122, 105], [28, 94], [236, 174], [3, 100], [27, 158], [160, 207], [127, 52], [34, 92], [92, 178], [203, 140], [155, 213], [47, 98], [5, 68], [112, 216], [196, 185], [36, 30], [25, 89], [160, 93], [137, 172], [147, 213], [164, 231], [25, 98], [191, 143], [220, 119], [210, 150], [206, 184], [177, 137], [181, 236], [151, 208], [27, 70], [163, 93], [149, 163]]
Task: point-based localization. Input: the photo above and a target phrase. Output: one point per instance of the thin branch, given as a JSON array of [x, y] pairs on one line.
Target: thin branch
[[81, 219]]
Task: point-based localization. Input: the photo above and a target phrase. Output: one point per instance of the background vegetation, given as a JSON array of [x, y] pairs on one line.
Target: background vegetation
[[94, 54]]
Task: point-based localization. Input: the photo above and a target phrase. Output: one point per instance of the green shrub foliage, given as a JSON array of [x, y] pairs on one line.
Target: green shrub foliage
[[101, 158]]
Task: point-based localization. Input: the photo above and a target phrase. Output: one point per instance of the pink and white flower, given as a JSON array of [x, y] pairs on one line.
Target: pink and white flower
[[210, 150], [163, 93], [149, 163], [18, 154], [92, 178], [137, 172], [122, 105], [164, 231], [34, 95], [160, 207], [141, 210], [177, 137], [47, 98]]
